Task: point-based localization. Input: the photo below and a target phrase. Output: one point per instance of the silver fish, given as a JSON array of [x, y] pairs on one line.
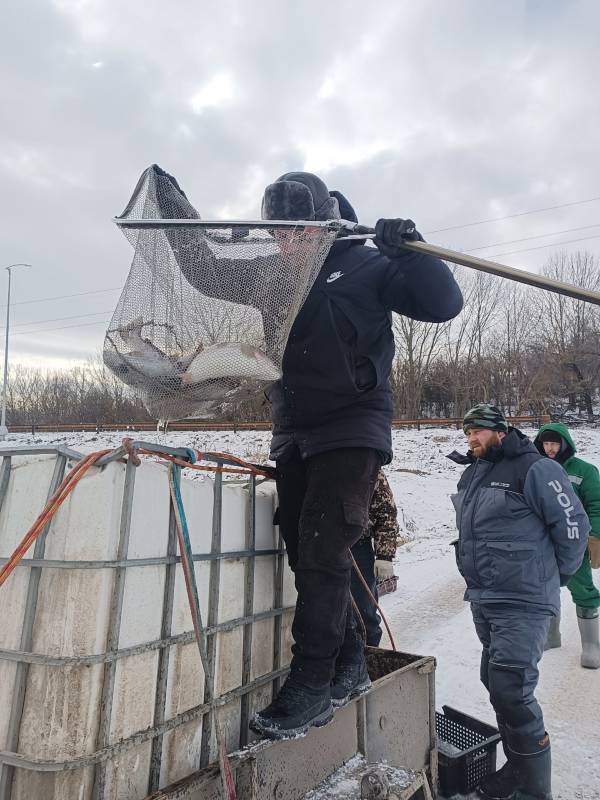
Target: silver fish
[[144, 357], [233, 360]]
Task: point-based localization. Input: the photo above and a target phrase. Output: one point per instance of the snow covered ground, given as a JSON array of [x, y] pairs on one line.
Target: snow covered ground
[[427, 614]]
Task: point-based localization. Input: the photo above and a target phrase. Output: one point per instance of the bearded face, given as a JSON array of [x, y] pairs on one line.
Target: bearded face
[[481, 440]]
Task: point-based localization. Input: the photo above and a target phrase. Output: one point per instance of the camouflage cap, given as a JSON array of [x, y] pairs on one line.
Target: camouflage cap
[[485, 415]]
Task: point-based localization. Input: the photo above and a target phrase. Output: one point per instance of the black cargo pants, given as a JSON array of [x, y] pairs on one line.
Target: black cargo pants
[[324, 505]]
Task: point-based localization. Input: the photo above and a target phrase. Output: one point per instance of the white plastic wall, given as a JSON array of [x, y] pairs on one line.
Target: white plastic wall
[[61, 713]]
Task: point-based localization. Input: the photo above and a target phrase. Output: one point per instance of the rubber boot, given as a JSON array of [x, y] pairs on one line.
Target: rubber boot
[[501, 784], [587, 619], [532, 764], [553, 639]]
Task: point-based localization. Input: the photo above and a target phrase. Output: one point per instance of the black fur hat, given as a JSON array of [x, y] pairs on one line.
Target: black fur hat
[[299, 195]]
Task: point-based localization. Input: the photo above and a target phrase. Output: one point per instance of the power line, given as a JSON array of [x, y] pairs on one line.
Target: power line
[[495, 255], [62, 297], [58, 319], [438, 230], [541, 246], [62, 327], [512, 216], [538, 236]]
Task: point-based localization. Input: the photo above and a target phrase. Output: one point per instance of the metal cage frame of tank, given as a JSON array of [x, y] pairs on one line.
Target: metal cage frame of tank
[[11, 760]]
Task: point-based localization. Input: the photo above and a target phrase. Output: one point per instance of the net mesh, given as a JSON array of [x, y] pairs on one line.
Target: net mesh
[[205, 313]]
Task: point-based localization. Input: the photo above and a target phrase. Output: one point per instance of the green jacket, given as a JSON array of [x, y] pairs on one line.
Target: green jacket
[[584, 476]]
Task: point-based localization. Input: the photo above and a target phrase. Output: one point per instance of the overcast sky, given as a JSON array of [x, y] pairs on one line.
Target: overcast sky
[[446, 111]]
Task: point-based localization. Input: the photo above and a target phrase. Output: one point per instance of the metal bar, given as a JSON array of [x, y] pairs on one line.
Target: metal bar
[[195, 425], [493, 268], [213, 613], [248, 609], [126, 652], [278, 566], [519, 275], [22, 672], [114, 629], [102, 755], [362, 738], [140, 224], [121, 452], [72, 455], [49, 563], [433, 753], [4, 481], [163, 659]]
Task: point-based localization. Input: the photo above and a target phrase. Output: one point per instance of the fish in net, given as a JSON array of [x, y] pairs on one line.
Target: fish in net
[[207, 308]]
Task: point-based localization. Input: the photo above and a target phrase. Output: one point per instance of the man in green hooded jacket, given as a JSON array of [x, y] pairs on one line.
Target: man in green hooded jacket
[[554, 440]]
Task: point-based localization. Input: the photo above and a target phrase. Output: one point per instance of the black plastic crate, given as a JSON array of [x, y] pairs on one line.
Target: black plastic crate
[[475, 743]]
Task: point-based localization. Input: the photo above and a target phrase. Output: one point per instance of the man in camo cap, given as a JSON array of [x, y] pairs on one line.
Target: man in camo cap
[[522, 535]]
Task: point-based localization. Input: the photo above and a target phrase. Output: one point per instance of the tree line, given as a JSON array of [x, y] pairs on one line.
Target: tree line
[[529, 351]]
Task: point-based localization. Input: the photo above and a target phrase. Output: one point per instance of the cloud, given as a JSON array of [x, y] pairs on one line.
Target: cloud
[[445, 112]]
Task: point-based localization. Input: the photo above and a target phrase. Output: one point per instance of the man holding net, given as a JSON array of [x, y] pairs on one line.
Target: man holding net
[[331, 414], [332, 408]]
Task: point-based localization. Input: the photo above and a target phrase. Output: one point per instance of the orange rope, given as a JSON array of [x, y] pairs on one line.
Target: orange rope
[[78, 471], [247, 469], [60, 495]]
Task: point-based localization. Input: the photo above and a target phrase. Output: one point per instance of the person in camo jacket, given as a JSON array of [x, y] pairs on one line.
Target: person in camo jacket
[[374, 553], [554, 441]]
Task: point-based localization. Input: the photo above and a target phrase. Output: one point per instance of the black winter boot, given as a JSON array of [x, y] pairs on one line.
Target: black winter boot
[[295, 709], [531, 760], [349, 681]]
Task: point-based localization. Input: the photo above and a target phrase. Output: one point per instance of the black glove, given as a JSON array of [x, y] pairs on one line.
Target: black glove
[[390, 233], [564, 579]]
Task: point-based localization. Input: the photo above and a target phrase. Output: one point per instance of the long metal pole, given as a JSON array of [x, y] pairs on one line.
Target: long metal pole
[[492, 267], [519, 275], [3, 428]]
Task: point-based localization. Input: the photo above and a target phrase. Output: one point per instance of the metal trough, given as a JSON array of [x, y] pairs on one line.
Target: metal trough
[[393, 723]]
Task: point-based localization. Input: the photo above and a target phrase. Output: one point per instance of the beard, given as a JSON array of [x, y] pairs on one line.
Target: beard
[[480, 450]]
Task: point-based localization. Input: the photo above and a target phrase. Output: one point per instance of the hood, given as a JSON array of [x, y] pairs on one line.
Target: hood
[[563, 432]]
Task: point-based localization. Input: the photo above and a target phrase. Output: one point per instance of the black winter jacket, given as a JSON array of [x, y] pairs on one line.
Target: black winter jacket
[[335, 389]]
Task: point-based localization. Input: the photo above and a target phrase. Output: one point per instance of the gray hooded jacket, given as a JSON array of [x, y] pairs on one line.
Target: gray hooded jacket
[[522, 529]]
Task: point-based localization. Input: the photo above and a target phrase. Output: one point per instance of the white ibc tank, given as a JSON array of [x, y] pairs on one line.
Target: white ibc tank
[[100, 677]]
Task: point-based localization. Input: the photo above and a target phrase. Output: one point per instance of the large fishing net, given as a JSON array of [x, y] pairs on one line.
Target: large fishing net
[[207, 307]]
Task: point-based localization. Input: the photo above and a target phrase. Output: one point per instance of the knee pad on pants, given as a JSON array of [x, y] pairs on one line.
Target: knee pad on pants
[[508, 695], [484, 667]]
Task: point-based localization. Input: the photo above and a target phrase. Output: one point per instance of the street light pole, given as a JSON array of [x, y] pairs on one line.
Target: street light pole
[[3, 428]]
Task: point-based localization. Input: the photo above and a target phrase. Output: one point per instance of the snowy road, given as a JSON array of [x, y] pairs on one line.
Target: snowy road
[[427, 613]]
